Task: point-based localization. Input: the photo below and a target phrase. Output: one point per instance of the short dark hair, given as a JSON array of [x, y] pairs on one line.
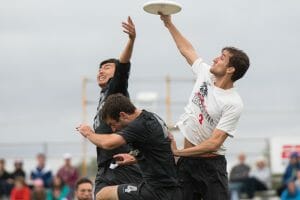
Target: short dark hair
[[110, 60], [115, 104], [81, 181], [239, 60]]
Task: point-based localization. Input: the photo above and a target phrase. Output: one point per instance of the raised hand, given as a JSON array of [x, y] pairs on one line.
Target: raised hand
[[85, 130], [129, 28], [166, 19]]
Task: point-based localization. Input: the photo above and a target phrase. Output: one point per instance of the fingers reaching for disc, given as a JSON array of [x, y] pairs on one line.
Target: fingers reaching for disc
[[129, 28]]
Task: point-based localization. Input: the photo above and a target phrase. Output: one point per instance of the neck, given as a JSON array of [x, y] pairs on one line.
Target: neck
[[224, 83], [136, 113]]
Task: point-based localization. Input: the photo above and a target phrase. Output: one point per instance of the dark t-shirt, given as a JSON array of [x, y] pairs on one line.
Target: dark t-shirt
[[148, 134], [117, 84], [239, 172]]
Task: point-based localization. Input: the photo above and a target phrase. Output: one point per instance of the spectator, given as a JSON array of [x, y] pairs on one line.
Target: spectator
[[38, 191], [290, 172], [262, 175], [18, 169], [41, 171], [239, 175], [291, 192], [244, 182], [21, 191], [84, 189], [297, 181], [292, 168], [68, 173], [59, 190], [6, 181], [240, 171]]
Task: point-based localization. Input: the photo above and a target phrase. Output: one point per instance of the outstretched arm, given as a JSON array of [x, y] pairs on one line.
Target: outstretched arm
[[129, 29], [104, 141], [210, 145], [183, 45]]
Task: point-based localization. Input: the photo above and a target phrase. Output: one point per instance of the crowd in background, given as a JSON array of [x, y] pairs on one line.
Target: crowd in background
[[42, 184], [243, 180], [290, 185]]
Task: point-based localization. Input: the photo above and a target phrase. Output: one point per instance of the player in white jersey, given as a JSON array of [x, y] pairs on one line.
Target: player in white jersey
[[210, 116]]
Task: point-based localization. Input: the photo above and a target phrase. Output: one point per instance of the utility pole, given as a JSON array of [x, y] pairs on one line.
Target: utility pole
[[84, 119], [168, 101]]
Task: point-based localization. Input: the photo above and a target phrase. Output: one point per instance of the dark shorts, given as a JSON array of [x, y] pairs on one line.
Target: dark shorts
[[120, 175], [203, 178], [143, 191]]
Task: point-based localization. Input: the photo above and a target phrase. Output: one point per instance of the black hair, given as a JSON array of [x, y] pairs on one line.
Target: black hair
[[110, 60], [81, 181]]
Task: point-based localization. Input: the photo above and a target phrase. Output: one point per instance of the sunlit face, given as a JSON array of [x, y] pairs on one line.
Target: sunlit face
[[220, 64], [105, 72], [84, 191]]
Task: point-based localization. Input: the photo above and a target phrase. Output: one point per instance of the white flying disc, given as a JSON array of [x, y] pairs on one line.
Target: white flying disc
[[165, 7]]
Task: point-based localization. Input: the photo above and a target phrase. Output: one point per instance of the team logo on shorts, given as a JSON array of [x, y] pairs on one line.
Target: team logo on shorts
[[130, 188]]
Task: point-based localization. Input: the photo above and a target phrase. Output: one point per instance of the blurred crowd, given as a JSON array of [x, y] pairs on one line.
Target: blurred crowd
[[244, 180], [43, 183], [65, 184]]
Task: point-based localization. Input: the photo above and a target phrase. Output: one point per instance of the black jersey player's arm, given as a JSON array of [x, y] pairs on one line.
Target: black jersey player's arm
[[129, 28], [104, 141]]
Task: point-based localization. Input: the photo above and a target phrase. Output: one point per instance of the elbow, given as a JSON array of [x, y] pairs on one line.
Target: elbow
[[108, 145], [215, 146]]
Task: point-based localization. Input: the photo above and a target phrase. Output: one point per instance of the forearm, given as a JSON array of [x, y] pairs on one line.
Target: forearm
[[207, 146], [183, 45], [102, 141], [127, 52]]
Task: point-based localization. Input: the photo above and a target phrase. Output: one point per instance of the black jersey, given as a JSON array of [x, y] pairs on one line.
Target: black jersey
[[117, 84], [149, 135]]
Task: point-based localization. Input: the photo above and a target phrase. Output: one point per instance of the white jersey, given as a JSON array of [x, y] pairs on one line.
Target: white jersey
[[209, 108]]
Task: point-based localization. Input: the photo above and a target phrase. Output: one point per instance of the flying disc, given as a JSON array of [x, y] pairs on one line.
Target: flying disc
[[164, 7]]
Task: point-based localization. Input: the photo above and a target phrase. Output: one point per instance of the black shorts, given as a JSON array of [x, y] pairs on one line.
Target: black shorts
[[203, 178], [120, 175], [143, 191]]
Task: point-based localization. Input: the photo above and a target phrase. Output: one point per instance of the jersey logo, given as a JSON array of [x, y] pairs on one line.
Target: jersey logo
[[130, 188], [200, 119], [199, 100]]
